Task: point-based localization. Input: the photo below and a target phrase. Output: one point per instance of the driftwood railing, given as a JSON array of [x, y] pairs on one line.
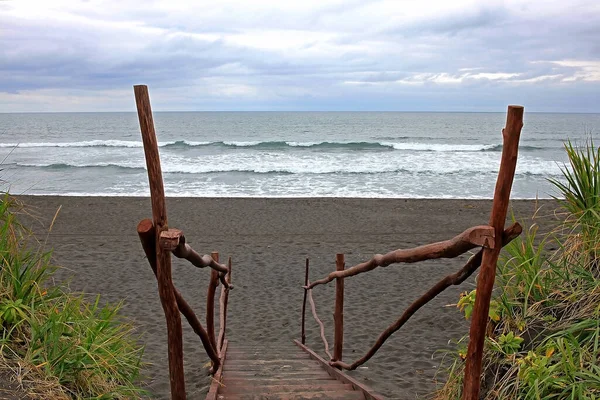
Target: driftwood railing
[[159, 242], [491, 238]]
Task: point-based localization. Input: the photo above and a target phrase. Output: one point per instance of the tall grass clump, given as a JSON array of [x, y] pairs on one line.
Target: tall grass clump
[[543, 339], [72, 348]]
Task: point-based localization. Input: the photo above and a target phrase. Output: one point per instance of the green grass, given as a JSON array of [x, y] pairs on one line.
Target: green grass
[[72, 348], [544, 342]]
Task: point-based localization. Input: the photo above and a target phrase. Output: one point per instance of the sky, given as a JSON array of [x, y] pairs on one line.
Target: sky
[[386, 55]]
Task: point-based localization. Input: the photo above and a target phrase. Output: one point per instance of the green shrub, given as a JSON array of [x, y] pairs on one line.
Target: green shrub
[[85, 348], [545, 342]]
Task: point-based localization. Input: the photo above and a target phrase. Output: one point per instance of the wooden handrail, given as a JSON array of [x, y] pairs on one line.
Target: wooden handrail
[[223, 309], [174, 240], [210, 303], [454, 279], [467, 240], [146, 232], [313, 308], [163, 258]]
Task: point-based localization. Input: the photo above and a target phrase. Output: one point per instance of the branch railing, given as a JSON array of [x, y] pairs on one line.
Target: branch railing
[[491, 238], [159, 242]]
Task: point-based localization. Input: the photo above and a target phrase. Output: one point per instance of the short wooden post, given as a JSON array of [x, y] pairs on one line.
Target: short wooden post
[[163, 258], [210, 303], [303, 337], [338, 317], [485, 282]]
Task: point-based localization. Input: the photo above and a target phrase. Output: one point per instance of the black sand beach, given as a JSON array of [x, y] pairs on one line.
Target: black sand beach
[[94, 239]]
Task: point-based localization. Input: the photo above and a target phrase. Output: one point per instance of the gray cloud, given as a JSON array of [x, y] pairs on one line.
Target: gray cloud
[[324, 55]]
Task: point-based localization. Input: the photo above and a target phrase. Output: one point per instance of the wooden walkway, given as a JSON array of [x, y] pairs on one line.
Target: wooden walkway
[[281, 372]]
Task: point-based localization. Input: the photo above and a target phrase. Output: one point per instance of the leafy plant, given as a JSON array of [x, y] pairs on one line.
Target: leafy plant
[[509, 343], [84, 348], [544, 344], [13, 312]]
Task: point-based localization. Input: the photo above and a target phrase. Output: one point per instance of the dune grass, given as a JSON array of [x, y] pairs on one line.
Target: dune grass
[[64, 346], [544, 335]]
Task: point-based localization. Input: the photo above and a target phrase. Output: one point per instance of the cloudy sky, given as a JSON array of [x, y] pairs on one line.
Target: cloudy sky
[[420, 55]]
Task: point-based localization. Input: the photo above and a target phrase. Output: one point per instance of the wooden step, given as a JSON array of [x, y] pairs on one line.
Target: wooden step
[[295, 396], [328, 386], [279, 373]]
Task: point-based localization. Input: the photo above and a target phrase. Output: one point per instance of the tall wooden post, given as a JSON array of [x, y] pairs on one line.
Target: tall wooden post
[[163, 258], [487, 275], [210, 302], [303, 337], [338, 317]]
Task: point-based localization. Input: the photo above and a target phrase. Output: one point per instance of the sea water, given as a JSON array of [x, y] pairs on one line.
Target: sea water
[[285, 154]]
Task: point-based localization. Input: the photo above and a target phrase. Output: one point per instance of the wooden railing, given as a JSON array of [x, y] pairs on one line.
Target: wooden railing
[[491, 238], [172, 241]]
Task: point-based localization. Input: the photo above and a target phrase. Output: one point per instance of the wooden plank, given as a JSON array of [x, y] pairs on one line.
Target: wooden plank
[[269, 369], [297, 396], [315, 374], [279, 361], [368, 393], [234, 383], [256, 356], [487, 274], [298, 380], [163, 258], [284, 388]]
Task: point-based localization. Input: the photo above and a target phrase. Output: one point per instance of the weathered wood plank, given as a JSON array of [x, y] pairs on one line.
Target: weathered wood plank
[[285, 388], [296, 396], [315, 374], [292, 374], [367, 392], [298, 380]]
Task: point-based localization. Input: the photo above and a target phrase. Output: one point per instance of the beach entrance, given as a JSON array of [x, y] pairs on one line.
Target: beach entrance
[[298, 372]]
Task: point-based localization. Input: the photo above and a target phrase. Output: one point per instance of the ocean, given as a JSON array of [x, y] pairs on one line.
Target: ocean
[[284, 154]]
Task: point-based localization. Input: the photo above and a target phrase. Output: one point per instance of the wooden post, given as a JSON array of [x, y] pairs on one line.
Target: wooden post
[[210, 302], [338, 317], [485, 282], [303, 337], [163, 258]]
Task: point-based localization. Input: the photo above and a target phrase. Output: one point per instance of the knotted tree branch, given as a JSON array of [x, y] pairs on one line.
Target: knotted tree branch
[[454, 279], [146, 232], [174, 240], [313, 308], [476, 236]]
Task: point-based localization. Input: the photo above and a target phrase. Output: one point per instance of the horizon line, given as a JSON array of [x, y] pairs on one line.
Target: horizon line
[[296, 111]]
